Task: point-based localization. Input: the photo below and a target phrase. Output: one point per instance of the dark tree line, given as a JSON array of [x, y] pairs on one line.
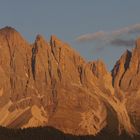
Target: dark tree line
[[49, 133]]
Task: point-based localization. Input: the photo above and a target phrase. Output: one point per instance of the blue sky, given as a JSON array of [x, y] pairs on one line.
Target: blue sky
[[71, 19]]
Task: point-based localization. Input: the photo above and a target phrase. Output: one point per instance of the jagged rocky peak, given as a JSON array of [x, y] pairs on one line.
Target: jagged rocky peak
[[40, 42], [98, 68], [125, 59], [125, 56], [126, 81], [51, 84], [63, 52], [9, 35], [58, 47], [7, 30], [54, 41], [121, 65], [67, 58], [126, 71], [41, 39]]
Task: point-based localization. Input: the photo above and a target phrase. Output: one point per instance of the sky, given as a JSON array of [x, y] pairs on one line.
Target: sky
[[97, 29]]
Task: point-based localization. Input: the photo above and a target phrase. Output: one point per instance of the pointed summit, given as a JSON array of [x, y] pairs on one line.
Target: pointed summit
[[54, 38], [98, 68], [11, 35], [51, 84], [54, 41], [8, 31], [39, 37], [40, 41]]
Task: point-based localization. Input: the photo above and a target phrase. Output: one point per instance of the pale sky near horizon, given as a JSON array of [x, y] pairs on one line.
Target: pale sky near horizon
[[97, 29]]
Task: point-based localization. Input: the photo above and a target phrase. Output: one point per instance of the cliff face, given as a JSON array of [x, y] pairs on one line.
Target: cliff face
[[126, 81], [50, 84]]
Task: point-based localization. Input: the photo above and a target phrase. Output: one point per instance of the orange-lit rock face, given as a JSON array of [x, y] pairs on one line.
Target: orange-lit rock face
[[49, 83], [126, 77]]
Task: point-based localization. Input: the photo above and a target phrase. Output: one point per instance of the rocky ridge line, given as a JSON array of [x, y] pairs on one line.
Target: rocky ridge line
[[49, 83]]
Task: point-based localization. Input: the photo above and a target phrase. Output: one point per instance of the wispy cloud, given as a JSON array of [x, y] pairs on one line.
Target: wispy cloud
[[121, 42], [90, 37], [112, 36]]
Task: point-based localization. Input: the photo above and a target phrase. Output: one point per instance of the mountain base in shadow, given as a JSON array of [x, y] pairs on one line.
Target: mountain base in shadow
[[49, 133]]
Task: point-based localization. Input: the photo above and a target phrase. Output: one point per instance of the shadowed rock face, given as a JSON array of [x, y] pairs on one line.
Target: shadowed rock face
[[50, 84]]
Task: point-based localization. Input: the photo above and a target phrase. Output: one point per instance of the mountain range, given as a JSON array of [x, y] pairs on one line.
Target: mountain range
[[50, 84]]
